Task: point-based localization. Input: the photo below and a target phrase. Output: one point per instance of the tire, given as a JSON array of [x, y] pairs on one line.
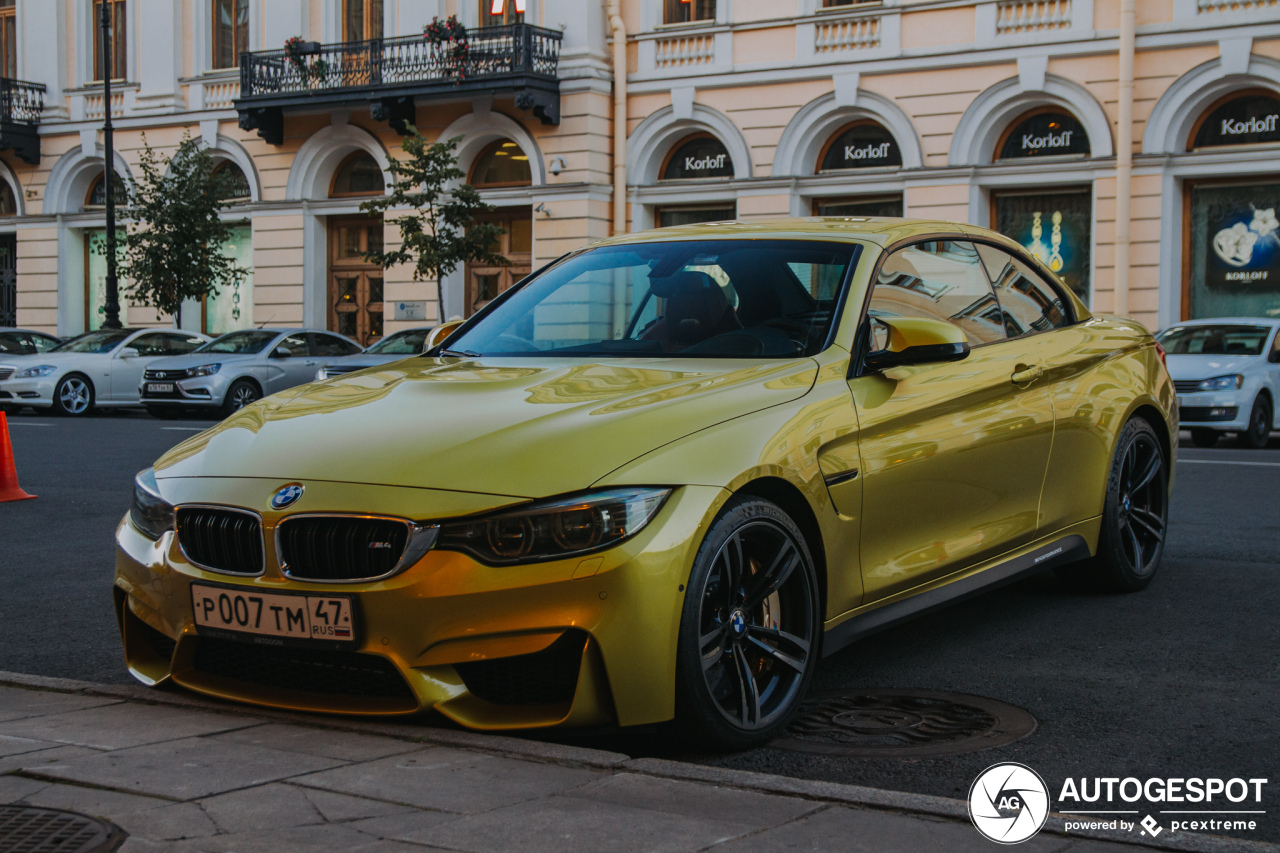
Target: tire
[[1259, 431], [73, 396], [1135, 516], [750, 629], [1202, 437], [241, 393]]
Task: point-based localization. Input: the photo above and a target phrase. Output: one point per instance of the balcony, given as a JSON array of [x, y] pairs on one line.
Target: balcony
[[390, 75], [21, 104]]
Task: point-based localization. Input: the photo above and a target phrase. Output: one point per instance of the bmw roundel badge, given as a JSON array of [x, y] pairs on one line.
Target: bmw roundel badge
[[286, 496]]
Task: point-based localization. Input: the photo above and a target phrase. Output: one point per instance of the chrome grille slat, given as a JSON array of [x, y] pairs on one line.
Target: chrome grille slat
[[221, 539], [341, 548], [1186, 386], [5, 373]]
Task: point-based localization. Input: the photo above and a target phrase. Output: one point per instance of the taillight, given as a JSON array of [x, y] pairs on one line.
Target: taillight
[[1160, 352]]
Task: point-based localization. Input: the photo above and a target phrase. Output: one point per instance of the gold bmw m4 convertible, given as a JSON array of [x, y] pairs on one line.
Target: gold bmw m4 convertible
[[657, 480]]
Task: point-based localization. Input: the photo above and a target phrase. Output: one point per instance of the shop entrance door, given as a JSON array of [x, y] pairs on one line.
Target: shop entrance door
[[355, 285], [1233, 267], [486, 282], [8, 280]]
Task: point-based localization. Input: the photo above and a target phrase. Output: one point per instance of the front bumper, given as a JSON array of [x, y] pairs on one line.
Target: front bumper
[[28, 392], [198, 391], [477, 643], [1226, 411]]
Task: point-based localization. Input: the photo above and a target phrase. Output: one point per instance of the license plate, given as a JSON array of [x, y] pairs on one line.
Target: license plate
[[159, 387], [298, 617]]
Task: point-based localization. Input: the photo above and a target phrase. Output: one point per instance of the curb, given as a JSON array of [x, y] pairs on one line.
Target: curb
[[825, 792]]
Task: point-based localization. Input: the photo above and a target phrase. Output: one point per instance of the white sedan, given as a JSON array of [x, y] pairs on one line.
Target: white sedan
[[101, 368], [1227, 375]]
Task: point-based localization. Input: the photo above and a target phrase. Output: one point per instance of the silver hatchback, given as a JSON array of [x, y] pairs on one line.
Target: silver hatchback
[[232, 371]]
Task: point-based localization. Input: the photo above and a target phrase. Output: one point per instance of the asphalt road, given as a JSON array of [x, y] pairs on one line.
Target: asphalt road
[[1180, 680]]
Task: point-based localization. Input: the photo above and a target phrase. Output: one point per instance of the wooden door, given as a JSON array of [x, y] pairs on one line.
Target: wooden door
[[355, 285], [486, 282]]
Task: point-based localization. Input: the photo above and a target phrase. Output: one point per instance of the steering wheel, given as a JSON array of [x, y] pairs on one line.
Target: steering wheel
[[794, 329]]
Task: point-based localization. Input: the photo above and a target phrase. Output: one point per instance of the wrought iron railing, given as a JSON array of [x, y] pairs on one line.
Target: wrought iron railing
[[21, 101], [520, 49]]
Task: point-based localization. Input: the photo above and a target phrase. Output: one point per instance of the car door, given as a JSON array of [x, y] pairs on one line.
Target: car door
[[126, 371], [328, 348], [1039, 314], [288, 359], [953, 454]]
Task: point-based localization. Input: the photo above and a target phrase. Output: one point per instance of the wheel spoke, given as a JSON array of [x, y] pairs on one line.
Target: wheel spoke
[[789, 642], [777, 654], [747, 688], [711, 646], [1138, 557], [1149, 522], [775, 576], [1148, 471], [734, 559]]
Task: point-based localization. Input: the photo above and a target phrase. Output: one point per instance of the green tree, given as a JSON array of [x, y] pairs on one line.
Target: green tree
[[174, 248], [439, 231]]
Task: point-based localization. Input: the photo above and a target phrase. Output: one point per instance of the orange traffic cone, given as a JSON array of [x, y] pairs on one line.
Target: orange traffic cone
[[9, 489]]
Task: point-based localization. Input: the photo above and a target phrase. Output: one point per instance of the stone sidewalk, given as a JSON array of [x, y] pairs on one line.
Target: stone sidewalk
[[182, 774]]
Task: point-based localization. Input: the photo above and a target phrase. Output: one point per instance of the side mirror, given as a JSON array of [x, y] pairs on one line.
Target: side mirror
[[282, 352], [129, 352], [915, 340], [437, 335]]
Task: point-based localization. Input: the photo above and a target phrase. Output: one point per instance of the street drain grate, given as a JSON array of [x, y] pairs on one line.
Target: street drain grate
[[902, 724], [24, 829]]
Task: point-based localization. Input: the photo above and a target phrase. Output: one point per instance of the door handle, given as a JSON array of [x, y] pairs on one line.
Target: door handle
[[1026, 374]]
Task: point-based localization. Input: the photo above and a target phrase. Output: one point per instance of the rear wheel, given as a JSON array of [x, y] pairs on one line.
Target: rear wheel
[[1135, 515], [1202, 437], [1259, 431], [73, 396], [749, 631], [241, 393]]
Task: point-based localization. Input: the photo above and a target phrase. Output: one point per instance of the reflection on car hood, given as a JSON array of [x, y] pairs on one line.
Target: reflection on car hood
[[520, 427], [1205, 366], [195, 359], [360, 362]]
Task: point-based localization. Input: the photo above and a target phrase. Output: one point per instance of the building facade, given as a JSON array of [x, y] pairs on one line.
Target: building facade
[[1003, 113]]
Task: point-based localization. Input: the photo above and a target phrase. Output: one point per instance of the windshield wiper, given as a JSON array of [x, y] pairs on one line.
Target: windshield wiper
[[462, 353]]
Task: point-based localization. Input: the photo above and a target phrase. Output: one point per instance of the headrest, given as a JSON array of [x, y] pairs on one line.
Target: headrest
[[682, 282]]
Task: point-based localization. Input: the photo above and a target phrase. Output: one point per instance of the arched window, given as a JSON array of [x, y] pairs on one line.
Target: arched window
[[698, 156], [861, 145], [359, 174], [1243, 118], [237, 185], [495, 13], [1045, 132], [8, 203], [502, 164], [97, 196]]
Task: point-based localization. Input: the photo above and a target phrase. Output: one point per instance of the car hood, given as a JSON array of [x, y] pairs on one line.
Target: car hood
[[360, 362], [192, 359], [519, 427], [1206, 366]]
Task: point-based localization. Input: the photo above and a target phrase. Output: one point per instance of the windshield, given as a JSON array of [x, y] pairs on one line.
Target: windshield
[[1215, 340], [240, 343], [706, 299], [91, 342], [401, 343]]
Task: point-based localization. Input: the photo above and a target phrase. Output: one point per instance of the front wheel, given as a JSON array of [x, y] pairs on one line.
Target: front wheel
[[73, 396], [749, 630], [1259, 431], [241, 393], [1135, 515]]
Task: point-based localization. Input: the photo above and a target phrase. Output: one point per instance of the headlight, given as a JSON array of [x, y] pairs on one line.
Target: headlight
[[1222, 383], [322, 374], [35, 372], [202, 370], [563, 527], [150, 513]]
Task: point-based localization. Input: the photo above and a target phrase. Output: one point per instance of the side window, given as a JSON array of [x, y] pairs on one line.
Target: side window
[[295, 345], [182, 344], [1030, 304], [43, 344], [329, 345], [154, 344], [939, 280], [13, 345]]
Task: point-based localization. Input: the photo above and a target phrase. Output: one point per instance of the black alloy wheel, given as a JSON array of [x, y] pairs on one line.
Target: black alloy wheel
[[749, 633], [1259, 431], [1203, 437], [241, 393], [1135, 516]]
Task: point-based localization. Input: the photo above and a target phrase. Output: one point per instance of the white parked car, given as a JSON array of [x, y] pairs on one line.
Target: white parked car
[[101, 368], [396, 347], [1227, 375]]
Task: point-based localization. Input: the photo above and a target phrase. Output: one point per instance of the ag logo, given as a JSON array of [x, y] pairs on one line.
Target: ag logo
[[1008, 803], [286, 496]]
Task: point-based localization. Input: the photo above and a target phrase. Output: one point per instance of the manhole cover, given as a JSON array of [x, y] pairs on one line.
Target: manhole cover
[[902, 724], [24, 829]]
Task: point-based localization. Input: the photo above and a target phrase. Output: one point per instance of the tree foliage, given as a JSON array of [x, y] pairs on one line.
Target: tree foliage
[[439, 231], [175, 245]]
